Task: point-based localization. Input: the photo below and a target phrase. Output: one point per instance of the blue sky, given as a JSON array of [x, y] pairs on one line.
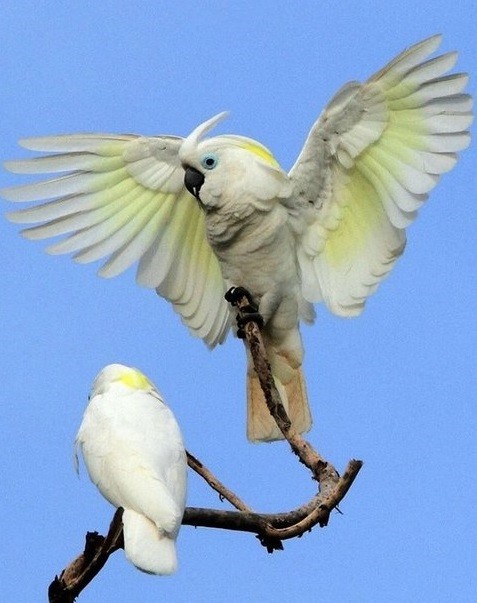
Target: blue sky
[[395, 387]]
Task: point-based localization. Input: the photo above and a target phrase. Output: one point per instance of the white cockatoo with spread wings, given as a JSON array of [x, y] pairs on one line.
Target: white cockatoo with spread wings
[[133, 450], [202, 215]]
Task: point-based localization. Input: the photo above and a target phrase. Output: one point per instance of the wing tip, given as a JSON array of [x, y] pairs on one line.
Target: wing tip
[[14, 216]]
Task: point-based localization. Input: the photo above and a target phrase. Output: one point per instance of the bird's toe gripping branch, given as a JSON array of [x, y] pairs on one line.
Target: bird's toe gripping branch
[[234, 296]]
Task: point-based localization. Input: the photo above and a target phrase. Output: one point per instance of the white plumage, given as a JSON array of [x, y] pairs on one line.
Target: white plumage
[[133, 450], [328, 231]]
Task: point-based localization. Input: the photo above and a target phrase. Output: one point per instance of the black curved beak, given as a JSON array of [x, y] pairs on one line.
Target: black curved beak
[[193, 180]]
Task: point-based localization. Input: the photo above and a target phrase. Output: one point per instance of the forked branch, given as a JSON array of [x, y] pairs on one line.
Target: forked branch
[[270, 529]]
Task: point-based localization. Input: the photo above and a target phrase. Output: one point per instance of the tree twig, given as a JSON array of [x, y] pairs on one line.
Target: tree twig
[[79, 573], [214, 483]]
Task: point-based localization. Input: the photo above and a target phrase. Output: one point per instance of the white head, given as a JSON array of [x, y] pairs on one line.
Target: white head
[[126, 376], [228, 168]]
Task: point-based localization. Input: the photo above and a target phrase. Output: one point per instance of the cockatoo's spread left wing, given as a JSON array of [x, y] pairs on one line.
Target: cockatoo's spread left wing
[[367, 166], [123, 197]]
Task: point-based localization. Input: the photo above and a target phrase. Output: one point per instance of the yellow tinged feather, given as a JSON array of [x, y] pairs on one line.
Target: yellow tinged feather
[[135, 379], [113, 148], [260, 151], [361, 214]]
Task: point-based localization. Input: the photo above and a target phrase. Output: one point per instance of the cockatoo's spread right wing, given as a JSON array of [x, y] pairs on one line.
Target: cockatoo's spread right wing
[[123, 197], [367, 166]]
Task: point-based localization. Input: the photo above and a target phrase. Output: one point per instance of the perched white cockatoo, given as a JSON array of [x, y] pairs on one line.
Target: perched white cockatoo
[[133, 450], [328, 231]]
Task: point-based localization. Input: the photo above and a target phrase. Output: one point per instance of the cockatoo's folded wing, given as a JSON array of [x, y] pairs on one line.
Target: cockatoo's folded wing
[[123, 198], [367, 166]]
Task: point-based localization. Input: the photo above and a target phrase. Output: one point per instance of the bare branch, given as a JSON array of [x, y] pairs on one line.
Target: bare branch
[[79, 573], [214, 483], [322, 471], [270, 529], [278, 526]]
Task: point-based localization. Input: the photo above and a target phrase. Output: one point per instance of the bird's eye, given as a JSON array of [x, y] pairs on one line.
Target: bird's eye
[[209, 161]]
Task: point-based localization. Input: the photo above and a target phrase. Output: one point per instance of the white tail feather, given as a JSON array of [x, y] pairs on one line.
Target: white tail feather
[[146, 546]]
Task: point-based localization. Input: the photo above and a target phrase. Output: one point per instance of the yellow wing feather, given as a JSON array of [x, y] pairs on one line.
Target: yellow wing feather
[[380, 147], [122, 198]]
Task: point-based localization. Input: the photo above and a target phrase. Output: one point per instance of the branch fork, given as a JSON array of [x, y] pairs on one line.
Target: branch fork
[[270, 529]]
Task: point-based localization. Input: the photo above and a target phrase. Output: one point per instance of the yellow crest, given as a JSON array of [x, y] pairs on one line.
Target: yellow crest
[[257, 149], [135, 379]]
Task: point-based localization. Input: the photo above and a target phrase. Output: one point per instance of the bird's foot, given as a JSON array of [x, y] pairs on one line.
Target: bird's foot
[[233, 296]]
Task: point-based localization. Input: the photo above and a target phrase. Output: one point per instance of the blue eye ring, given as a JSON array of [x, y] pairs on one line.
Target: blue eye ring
[[209, 161]]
